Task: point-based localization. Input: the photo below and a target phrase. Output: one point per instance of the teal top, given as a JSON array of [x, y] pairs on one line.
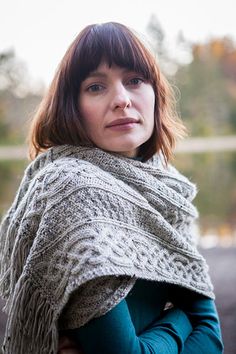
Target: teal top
[[140, 325]]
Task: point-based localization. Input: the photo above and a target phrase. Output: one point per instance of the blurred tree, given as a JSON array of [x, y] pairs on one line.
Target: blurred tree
[[10, 79], [214, 174], [208, 88], [13, 73], [4, 127], [158, 37], [160, 46], [204, 75], [17, 101]]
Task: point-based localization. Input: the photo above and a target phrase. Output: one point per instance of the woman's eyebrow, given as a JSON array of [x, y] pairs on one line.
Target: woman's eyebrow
[[96, 74]]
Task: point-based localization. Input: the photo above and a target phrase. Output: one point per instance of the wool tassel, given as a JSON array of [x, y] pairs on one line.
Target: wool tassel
[[31, 325]]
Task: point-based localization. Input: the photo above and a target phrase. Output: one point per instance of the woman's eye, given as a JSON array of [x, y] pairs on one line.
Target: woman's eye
[[95, 88], [135, 81]]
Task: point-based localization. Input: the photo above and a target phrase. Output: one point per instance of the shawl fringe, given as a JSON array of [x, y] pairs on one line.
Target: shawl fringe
[[30, 308]]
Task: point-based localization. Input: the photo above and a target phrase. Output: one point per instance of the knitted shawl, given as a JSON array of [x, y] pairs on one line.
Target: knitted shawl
[[84, 226]]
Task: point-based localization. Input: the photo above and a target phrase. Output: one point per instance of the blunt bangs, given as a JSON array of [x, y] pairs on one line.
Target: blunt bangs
[[114, 44]]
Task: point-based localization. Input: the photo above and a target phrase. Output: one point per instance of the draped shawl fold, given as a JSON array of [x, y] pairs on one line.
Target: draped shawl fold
[[84, 226]]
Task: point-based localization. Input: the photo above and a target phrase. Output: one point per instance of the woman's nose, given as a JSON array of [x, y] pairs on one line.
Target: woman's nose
[[121, 98]]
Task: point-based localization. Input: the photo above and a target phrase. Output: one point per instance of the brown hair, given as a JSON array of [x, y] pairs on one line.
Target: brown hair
[[57, 121]]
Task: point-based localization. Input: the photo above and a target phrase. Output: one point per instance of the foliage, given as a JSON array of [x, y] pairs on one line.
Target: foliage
[[17, 102], [160, 47], [207, 84], [4, 127], [208, 88], [12, 72], [11, 173], [214, 175]]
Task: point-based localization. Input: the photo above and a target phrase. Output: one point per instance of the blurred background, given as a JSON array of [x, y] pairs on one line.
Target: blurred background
[[195, 45]]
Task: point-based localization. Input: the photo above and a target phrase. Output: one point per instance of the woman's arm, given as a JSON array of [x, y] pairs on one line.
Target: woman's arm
[[206, 336], [114, 333], [68, 346]]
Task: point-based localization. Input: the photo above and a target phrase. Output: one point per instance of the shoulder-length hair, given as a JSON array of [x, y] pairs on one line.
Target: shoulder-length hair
[[57, 120]]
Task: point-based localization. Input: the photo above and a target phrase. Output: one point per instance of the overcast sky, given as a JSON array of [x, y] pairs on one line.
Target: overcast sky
[[41, 30]]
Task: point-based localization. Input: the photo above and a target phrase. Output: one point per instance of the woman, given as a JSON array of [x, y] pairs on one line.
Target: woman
[[97, 247]]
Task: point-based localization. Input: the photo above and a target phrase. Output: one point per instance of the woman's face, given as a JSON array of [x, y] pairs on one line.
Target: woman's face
[[117, 109]]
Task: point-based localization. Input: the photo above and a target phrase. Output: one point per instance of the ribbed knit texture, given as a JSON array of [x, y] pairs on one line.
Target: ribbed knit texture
[[85, 224]]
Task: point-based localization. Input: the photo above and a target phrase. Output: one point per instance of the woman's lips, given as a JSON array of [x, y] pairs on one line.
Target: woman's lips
[[123, 124]]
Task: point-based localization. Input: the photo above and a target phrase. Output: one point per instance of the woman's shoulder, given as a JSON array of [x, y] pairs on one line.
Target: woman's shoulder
[[46, 168], [46, 175], [68, 175]]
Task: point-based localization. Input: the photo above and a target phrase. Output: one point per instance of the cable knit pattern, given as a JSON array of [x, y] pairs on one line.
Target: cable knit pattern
[[84, 226]]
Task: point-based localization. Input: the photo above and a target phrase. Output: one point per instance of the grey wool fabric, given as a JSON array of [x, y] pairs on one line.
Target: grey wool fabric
[[84, 226]]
